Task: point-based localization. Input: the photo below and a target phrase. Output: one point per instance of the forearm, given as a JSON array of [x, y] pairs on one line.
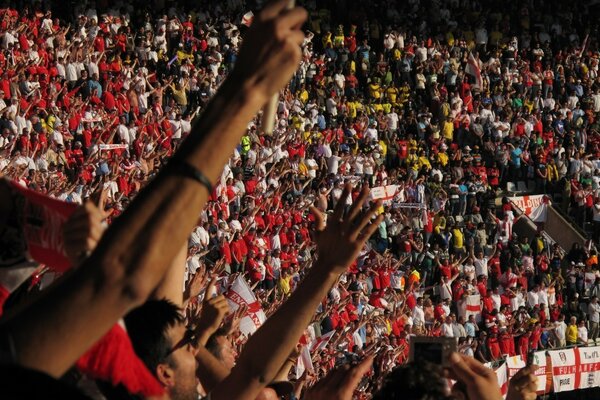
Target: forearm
[[256, 368], [135, 251], [210, 371], [171, 286]]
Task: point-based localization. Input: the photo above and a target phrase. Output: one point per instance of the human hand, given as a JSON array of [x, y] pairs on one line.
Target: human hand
[[214, 310], [82, 232], [270, 52], [523, 385], [340, 383], [339, 243], [480, 381]]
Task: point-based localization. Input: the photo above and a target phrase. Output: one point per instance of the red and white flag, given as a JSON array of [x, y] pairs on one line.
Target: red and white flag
[[502, 376], [473, 307], [304, 362], [321, 342], [589, 367], [384, 193], [248, 18], [514, 364], [539, 359], [565, 365], [240, 294], [472, 68]]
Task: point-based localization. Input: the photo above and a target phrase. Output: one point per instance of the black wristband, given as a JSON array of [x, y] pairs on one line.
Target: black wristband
[[187, 170]]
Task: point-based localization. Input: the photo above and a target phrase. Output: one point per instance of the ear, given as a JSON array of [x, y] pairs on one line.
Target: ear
[[165, 375]]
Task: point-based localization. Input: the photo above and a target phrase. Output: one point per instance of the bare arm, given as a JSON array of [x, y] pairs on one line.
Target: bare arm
[[338, 245], [133, 255]]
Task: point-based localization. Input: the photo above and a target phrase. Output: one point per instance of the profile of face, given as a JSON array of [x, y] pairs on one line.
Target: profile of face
[[178, 373], [228, 354]]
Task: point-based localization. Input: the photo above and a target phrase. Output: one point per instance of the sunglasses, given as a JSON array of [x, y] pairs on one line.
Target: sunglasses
[[189, 337]]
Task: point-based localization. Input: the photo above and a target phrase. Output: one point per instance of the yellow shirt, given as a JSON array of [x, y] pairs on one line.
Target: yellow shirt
[[383, 148], [374, 90], [424, 162], [284, 285], [442, 159], [572, 333], [304, 96], [351, 109], [457, 238], [448, 130], [392, 94]]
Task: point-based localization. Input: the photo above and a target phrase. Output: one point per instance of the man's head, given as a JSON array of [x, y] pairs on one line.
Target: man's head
[[220, 346], [159, 337]]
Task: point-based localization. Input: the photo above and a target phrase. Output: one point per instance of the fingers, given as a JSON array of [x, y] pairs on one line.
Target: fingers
[[460, 369], [366, 219], [357, 205], [353, 377], [220, 303], [467, 369], [273, 9], [338, 212], [290, 19], [478, 368], [211, 289], [524, 384]]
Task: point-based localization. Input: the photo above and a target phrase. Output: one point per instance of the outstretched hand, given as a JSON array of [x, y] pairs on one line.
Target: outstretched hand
[[341, 383], [481, 382], [271, 51], [523, 385], [214, 310], [342, 238]]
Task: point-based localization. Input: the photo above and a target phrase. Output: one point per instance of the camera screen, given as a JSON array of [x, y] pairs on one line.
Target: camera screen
[[431, 352]]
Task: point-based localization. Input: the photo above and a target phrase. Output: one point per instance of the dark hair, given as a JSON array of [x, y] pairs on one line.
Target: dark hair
[[420, 380], [147, 327], [213, 346]]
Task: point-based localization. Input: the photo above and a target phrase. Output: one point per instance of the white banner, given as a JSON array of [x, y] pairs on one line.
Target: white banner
[[384, 193], [589, 367], [240, 294], [112, 146], [539, 359], [564, 369], [535, 207]]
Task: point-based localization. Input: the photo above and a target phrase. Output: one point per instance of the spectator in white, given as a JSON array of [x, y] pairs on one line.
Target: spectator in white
[[418, 314], [533, 297], [447, 330], [582, 333], [560, 331]]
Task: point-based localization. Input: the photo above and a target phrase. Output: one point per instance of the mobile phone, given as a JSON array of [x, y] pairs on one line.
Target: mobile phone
[[435, 350]]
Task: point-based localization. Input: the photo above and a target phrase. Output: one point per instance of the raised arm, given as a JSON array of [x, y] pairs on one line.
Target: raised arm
[[337, 246], [133, 255]]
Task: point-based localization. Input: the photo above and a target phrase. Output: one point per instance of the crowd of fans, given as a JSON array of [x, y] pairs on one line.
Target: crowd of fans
[[446, 101]]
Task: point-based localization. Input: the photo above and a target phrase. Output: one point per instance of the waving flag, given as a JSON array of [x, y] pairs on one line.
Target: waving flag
[[240, 294], [321, 342], [473, 69], [248, 18]]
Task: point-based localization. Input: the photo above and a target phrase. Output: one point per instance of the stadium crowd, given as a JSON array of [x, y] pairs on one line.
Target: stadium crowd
[[446, 101]]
